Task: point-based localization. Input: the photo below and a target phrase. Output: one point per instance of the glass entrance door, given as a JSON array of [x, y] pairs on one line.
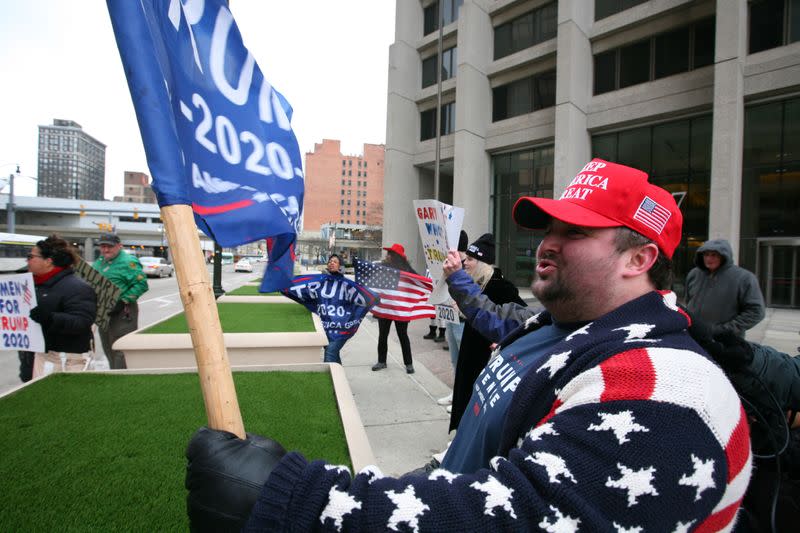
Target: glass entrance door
[[779, 271]]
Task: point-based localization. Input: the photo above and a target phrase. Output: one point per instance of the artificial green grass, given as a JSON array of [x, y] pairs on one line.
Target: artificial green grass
[[247, 318], [250, 290], [93, 452]]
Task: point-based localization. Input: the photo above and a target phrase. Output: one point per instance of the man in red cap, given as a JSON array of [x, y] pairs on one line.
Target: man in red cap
[[599, 414]]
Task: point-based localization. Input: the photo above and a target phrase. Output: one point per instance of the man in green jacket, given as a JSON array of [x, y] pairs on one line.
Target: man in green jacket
[[124, 271]]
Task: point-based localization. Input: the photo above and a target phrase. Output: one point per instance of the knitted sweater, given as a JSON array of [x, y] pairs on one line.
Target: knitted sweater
[[625, 427]]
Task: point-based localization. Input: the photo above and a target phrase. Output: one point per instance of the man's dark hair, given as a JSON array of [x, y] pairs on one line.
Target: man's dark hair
[[661, 271], [60, 251]]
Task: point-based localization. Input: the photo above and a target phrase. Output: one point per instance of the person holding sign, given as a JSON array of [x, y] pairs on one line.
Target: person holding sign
[[66, 304], [124, 271]]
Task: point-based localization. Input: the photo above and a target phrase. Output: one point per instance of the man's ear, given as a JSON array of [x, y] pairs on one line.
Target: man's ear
[[640, 260]]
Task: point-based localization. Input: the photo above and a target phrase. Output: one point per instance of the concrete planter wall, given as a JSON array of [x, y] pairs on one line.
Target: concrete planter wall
[[174, 350], [357, 443]]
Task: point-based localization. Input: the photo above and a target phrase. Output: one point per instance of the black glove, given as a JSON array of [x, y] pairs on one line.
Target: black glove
[[730, 352], [42, 316], [224, 477]]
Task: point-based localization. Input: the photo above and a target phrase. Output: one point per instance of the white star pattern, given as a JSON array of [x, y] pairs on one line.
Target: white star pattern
[[339, 504], [497, 495], [545, 429], [532, 320], [441, 473], [637, 483], [339, 468], [680, 527], [637, 332], [555, 466], [581, 331], [621, 424], [495, 461], [408, 508], [373, 473], [556, 362], [562, 524], [621, 529], [670, 300], [702, 478]]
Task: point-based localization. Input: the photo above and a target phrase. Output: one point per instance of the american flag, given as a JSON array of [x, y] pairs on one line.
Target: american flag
[[26, 293], [403, 295], [651, 214]]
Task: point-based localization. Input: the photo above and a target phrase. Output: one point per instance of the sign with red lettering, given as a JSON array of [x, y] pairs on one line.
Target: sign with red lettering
[[17, 330], [439, 228]]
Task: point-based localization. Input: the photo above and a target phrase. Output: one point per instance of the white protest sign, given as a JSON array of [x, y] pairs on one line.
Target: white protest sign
[[17, 330], [447, 313], [439, 228]]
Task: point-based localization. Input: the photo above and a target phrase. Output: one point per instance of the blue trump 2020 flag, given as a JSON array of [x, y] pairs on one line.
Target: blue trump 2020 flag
[[340, 303], [217, 136]]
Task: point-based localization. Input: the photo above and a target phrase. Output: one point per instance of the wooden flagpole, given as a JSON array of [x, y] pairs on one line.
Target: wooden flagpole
[[197, 295]]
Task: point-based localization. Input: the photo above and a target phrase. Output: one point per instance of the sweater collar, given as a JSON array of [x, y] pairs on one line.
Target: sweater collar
[[39, 279]]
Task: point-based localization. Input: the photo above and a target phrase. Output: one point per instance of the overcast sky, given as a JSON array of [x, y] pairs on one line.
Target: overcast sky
[[60, 60]]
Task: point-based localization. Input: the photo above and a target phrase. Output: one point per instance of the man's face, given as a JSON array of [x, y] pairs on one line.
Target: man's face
[[110, 251], [712, 260], [575, 270], [333, 264]]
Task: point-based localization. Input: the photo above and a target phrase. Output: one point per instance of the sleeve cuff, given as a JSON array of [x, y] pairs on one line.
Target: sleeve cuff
[[270, 511]]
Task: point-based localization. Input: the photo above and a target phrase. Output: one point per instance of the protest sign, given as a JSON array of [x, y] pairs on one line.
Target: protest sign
[[439, 228], [340, 303], [17, 330], [107, 293], [447, 313]]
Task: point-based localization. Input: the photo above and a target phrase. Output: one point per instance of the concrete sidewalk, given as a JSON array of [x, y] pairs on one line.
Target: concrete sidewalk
[[405, 425]]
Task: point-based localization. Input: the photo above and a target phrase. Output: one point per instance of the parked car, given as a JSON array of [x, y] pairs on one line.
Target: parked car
[[156, 267], [244, 265]]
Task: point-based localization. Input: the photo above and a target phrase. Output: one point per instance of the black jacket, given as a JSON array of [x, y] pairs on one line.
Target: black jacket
[[474, 352], [70, 305]]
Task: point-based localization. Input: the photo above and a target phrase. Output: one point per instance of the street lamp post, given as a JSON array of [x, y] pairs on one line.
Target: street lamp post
[[11, 223], [217, 285]]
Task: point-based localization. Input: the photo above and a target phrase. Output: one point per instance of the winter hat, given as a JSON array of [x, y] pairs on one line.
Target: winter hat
[[607, 195], [482, 249], [463, 241]]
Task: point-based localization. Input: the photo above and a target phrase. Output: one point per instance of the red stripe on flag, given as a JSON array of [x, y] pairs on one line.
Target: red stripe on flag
[[628, 376], [738, 449], [217, 209], [719, 520], [552, 413]]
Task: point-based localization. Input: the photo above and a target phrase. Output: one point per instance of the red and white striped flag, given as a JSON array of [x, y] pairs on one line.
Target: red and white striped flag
[[404, 295]]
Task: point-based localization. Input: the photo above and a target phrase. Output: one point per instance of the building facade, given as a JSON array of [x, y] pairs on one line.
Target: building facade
[[72, 163], [137, 189], [703, 95]]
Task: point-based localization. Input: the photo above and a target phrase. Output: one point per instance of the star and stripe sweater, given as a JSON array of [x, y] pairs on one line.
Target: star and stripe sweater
[[628, 428]]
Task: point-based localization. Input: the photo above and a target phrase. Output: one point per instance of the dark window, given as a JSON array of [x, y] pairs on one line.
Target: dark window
[[428, 122], [450, 9], [672, 53], [669, 53], [773, 23], [525, 31], [606, 8], [449, 65], [524, 96]]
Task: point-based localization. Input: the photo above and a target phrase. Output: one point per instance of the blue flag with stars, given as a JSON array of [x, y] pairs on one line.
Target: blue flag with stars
[[217, 135]]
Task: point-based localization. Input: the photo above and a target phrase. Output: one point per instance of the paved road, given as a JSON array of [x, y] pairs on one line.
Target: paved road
[[156, 304]]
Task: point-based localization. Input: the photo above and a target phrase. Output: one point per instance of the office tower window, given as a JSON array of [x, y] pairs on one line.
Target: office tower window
[[524, 96], [428, 122], [680, 50], [450, 9], [525, 31], [773, 23], [449, 65], [606, 8]]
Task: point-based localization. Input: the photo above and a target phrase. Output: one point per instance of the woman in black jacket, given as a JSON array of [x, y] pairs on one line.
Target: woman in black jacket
[[66, 305], [474, 352]]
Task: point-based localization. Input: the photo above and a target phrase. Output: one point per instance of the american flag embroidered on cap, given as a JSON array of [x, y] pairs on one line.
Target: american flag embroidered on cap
[[652, 214]]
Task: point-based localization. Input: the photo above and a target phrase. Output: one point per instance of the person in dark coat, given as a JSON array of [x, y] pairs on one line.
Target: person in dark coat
[[66, 305], [475, 348]]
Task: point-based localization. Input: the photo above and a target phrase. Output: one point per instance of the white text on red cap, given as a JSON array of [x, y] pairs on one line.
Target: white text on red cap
[[592, 180]]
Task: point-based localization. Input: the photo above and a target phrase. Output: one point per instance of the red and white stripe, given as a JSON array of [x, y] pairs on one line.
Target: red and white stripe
[[408, 302], [680, 377]]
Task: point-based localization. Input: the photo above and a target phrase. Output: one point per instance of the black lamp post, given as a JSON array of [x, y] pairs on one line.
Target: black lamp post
[[218, 290]]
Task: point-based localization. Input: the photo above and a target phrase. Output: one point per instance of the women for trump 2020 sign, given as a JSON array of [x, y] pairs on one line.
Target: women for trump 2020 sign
[[17, 330]]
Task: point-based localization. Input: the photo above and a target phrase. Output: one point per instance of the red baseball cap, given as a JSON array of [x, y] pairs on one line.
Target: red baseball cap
[[606, 195], [397, 248]]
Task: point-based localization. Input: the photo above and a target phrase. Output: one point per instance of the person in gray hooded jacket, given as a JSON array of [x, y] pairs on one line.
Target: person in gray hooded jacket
[[721, 293]]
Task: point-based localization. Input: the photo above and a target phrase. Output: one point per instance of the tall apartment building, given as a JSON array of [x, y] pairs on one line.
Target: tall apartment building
[[343, 189], [137, 189], [703, 95], [72, 163]]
